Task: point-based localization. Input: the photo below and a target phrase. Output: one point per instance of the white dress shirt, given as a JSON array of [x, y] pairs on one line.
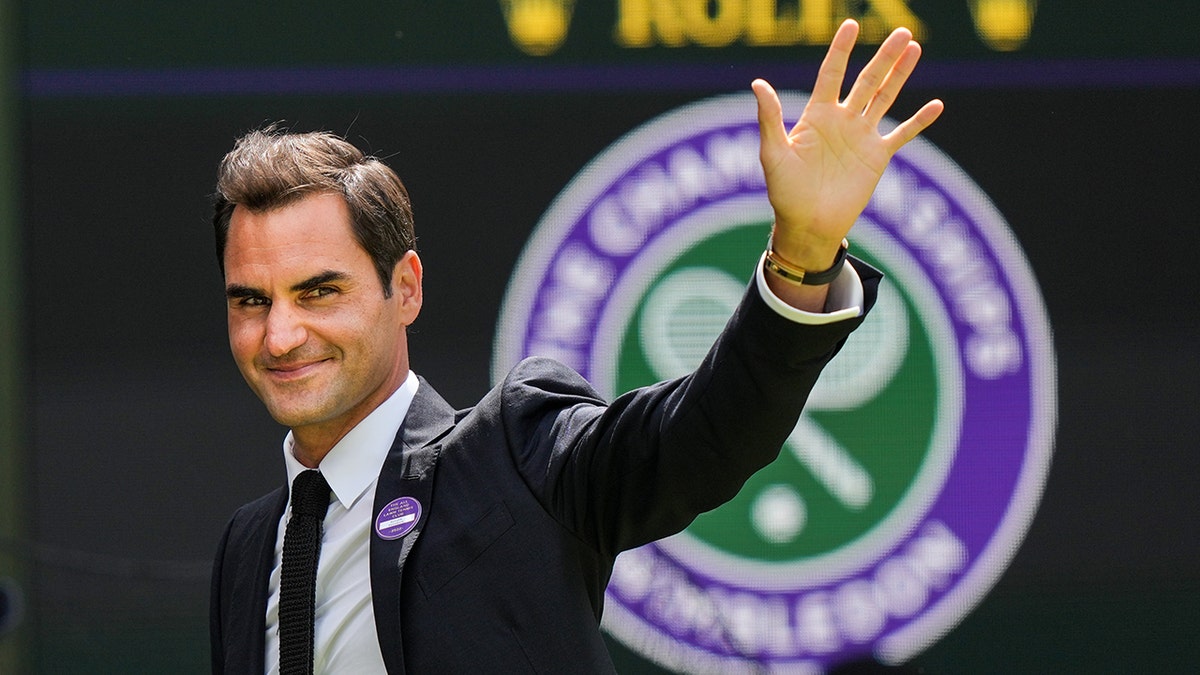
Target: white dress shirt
[[346, 639], [345, 635]]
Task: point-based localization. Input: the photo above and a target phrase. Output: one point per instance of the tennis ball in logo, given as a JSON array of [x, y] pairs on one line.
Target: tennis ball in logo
[[801, 506]]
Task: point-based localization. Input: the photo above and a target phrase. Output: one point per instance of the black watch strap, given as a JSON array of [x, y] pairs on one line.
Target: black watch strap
[[798, 275]]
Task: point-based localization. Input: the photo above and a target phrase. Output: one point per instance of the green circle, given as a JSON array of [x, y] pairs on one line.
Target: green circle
[[889, 436]]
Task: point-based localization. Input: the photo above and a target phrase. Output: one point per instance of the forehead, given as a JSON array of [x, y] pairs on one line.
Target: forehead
[[312, 233]]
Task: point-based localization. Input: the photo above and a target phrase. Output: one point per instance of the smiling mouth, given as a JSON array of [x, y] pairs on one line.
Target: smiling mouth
[[292, 371]]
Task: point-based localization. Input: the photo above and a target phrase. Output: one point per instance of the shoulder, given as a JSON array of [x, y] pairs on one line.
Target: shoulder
[[538, 385], [252, 516], [539, 373], [535, 397], [265, 504]]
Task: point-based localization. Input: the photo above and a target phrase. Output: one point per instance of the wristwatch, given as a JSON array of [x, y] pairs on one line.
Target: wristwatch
[[798, 275]]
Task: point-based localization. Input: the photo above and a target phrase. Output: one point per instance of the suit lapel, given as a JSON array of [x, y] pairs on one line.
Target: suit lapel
[[407, 473], [267, 534], [253, 549]]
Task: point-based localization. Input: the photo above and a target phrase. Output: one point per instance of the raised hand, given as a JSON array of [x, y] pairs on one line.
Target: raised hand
[[821, 173]]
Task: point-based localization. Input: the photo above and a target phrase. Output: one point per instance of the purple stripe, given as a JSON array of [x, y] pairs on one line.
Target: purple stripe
[[51, 83]]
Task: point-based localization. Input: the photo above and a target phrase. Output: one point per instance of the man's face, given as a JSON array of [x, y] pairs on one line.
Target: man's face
[[309, 325]]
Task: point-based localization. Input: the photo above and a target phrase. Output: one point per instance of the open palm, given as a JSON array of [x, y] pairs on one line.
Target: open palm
[[821, 173]]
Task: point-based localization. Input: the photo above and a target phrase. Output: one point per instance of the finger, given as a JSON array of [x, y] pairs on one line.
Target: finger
[[911, 127], [770, 115], [828, 88], [893, 83], [872, 76]]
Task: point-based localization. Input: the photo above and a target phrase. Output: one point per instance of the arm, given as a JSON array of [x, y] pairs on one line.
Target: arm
[[642, 467], [821, 173]]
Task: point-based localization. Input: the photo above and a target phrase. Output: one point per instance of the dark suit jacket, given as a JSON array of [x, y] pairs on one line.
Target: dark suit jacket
[[529, 496]]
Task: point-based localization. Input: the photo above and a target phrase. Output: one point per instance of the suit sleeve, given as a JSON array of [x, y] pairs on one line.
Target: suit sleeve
[[644, 466]]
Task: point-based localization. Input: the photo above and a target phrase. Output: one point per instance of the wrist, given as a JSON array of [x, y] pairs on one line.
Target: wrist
[[811, 245], [795, 272]]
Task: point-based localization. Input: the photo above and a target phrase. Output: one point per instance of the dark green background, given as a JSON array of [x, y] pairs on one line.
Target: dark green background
[[891, 449], [135, 438]]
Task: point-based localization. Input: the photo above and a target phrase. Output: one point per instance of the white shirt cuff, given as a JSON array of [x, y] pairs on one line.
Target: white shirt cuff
[[845, 298]]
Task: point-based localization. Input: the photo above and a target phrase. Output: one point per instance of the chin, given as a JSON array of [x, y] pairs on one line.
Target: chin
[[293, 416]]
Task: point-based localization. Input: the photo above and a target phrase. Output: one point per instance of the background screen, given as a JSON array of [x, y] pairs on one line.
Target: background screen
[[133, 437]]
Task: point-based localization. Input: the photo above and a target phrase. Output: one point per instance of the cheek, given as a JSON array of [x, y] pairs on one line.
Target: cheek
[[244, 339]]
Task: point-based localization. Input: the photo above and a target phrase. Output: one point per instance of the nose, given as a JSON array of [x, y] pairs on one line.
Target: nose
[[285, 330]]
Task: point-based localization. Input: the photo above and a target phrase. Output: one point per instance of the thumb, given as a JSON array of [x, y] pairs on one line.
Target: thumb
[[770, 116]]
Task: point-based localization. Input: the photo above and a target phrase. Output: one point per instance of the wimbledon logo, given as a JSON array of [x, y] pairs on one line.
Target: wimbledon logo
[[914, 472]]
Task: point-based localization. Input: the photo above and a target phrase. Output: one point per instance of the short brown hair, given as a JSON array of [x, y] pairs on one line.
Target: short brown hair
[[269, 169]]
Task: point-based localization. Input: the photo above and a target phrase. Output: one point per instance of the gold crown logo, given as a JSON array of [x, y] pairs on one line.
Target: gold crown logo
[[1004, 25], [538, 27]]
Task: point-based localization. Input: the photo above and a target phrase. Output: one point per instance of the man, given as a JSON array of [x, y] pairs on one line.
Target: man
[[482, 540]]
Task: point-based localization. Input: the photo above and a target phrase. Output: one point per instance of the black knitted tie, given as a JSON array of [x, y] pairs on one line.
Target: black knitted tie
[[298, 578]]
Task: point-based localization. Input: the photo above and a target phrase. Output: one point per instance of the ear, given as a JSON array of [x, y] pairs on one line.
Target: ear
[[406, 286]]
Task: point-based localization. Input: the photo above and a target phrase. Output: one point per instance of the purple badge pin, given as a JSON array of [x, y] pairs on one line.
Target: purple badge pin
[[398, 518]]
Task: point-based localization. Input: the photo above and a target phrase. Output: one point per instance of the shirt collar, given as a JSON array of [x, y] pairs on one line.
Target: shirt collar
[[355, 461]]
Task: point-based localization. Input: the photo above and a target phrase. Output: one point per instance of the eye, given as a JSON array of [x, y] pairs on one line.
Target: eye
[[320, 292], [254, 301]]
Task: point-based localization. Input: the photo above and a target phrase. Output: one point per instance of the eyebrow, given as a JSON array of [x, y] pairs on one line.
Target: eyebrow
[[319, 280], [240, 291]]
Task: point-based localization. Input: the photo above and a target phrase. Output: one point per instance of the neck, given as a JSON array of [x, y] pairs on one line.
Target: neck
[[312, 442], [310, 452]]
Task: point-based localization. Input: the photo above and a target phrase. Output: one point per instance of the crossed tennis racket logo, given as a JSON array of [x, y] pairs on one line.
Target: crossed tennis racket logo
[[682, 316]]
